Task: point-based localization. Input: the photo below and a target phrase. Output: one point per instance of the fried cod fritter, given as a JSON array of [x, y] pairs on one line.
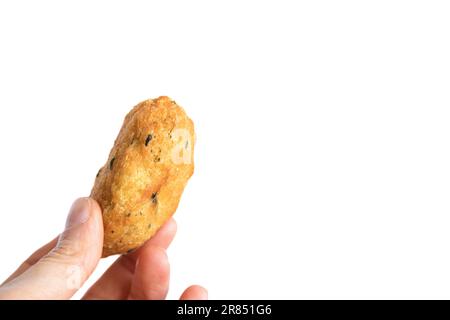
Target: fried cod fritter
[[140, 185]]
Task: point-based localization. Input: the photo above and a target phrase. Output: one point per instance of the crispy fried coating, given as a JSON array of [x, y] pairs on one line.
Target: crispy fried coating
[[140, 185]]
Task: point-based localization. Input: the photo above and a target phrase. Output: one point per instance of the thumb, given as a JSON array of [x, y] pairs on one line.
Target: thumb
[[60, 273]]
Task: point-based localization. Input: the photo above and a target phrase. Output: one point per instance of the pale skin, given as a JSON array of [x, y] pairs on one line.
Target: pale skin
[[60, 267]]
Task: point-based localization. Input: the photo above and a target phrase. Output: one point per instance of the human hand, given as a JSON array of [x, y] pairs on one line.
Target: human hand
[[59, 268]]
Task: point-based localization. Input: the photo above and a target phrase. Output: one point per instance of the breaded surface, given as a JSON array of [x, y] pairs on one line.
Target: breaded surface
[[140, 185]]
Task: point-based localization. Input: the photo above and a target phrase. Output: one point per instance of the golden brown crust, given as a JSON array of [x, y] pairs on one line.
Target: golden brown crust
[[148, 167]]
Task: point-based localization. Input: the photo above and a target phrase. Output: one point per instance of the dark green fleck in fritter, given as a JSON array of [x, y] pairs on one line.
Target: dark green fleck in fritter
[[186, 145], [149, 225], [149, 138], [111, 163], [140, 213]]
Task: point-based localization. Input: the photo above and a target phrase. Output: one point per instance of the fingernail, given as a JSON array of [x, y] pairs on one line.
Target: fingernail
[[79, 213]]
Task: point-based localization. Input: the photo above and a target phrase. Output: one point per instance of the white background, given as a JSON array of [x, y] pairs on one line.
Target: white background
[[322, 156]]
